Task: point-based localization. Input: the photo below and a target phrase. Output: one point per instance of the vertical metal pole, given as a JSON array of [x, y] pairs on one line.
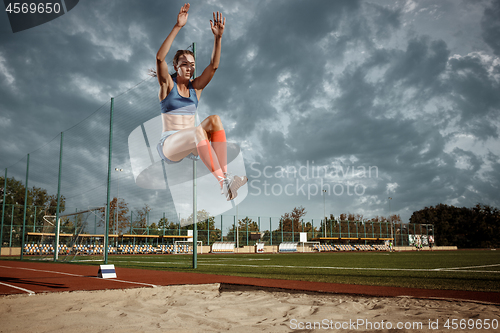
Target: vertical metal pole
[[414, 232], [324, 207], [281, 222], [195, 213], [271, 230], [11, 225], [312, 226], [434, 238], [25, 205], [221, 230], [131, 219], [340, 228], [390, 221], [56, 240], [237, 229], [3, 209], [247, 231], [34, 220], [108, 190], [401, 232]]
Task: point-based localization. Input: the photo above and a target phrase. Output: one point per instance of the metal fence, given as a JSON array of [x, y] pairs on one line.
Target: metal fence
[[242, 230]]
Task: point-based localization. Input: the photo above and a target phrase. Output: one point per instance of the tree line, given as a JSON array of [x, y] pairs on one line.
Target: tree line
[[476, 227]]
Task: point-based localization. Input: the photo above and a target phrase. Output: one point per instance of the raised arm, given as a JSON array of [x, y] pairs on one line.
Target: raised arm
[[217, 27], [164, 78]]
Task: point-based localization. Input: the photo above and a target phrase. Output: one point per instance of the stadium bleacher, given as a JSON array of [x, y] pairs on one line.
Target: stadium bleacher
[[217, 247], [381, 247], [48, 249], [348, 247], [363, 247], [324, 248]]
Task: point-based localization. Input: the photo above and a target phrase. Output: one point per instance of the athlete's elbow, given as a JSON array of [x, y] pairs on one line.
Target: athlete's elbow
[[160, 57]]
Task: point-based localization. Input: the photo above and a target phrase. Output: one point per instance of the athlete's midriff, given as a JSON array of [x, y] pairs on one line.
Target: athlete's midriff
[[175, 122]]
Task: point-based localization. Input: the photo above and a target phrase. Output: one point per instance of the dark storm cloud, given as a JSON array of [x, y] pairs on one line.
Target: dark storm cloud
[[491, 26], [323, 81], [385, 19], [383, 123], [420, 66], [475, 96], [355, 124], [62, 73], [285, 39]]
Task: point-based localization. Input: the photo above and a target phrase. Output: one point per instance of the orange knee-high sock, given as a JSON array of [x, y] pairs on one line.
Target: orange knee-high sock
[[220, 147], [209, 157]]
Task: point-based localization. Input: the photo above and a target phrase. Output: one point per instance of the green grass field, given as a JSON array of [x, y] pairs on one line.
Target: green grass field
[[477, 270]]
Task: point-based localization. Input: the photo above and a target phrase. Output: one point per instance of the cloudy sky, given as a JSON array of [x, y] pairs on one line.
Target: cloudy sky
[[365, 99]]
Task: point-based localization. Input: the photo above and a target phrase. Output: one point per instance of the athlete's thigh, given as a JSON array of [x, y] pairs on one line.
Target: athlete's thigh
[[181, 144]]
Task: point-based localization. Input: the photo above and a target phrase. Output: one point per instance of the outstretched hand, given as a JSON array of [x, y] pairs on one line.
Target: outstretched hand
[[217, 25], [183, 15]]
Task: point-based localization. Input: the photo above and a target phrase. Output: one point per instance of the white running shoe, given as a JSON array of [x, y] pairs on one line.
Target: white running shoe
[[235, 182], [226, 189], [231, 184]]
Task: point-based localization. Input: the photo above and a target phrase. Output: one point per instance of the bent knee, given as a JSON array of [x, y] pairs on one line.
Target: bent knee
[[215, 120]]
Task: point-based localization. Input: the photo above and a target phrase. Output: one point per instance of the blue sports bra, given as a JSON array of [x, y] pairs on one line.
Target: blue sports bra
[[177, 104]]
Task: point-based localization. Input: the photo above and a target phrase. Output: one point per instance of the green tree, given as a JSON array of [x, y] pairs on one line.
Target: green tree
[[119, 216], [476, 227], [39, 204], [140, 223], [253, 226], [290, 224], [167, 227], [207, 232], [328, 228]]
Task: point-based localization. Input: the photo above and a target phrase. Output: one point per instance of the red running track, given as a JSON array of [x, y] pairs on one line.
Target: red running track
[[18, 277]]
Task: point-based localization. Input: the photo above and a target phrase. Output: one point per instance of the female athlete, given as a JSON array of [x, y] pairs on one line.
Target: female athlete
[[179, 96]]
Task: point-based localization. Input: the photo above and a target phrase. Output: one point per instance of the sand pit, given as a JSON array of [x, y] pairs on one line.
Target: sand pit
[[216, 308]]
